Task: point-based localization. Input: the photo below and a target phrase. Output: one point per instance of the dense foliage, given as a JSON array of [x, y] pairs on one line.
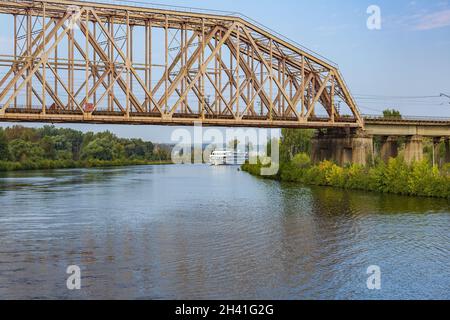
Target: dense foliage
[[294, 142], [50, 147], [392, 114], [418, 179]]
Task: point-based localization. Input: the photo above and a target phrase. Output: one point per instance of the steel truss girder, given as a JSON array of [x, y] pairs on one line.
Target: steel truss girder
[[226, 57]]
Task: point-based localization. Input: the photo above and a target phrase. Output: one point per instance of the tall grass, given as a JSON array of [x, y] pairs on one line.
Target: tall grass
[[70, 164], [396, 177]]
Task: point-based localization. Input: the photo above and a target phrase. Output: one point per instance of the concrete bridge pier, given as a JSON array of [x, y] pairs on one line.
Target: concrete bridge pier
[[389, 148], [342, 147], [436, 151], [447, 150], [414, 149], [438, 160]]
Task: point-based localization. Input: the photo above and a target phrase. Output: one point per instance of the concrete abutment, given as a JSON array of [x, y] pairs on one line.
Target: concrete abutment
[[414, 149], [389, 148], [355, 146], [342, 147]]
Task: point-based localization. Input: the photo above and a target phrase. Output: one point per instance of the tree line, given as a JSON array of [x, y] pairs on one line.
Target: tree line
[[51, 147]]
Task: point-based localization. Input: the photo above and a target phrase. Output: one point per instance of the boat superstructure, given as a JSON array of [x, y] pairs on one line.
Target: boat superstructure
[[227, 157]]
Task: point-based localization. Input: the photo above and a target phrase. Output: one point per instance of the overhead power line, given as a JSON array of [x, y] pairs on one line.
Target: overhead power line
[[380, 97]]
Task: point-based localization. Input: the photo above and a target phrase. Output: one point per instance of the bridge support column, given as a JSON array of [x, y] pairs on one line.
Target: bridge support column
[[447, 150], [414, 149], [389, 148], [362, 148], [342, 147], [437, 151], [320, 148]]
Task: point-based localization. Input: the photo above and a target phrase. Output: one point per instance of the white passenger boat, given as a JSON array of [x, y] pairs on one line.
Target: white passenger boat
[[227, 158]]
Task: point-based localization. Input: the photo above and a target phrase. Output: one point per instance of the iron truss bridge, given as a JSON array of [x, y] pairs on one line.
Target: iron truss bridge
[[79, 61]]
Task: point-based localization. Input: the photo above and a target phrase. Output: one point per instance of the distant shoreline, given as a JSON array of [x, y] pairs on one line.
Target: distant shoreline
[[10, 166]]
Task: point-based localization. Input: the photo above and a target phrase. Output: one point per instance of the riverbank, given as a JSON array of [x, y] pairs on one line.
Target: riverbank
[[23, 148], [396, 177], [6, 166]]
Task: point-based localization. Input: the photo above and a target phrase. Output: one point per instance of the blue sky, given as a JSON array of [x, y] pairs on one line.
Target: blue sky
[[393, 67]]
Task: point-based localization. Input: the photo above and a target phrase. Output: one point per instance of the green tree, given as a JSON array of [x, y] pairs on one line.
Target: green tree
[[4, 149], [270, 143], [397, 175], [99, 149], [47, 144], [295, 141], [48, 131], [51, 147], [233, 144], [119, 151], [302, 161], [23, 133], [135, 148], [149, 148], [392, 114], [76, 139], [161, 153], [22, 151]]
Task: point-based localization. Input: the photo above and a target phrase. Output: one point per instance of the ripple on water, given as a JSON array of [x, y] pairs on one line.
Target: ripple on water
[[200, 232]]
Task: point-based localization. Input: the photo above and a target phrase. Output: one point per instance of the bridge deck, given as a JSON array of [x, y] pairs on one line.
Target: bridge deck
[[407, 126], [188, 119], [409, 120]]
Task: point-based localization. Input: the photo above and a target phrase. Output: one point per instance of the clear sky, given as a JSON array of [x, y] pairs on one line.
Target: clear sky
[[399, 66]]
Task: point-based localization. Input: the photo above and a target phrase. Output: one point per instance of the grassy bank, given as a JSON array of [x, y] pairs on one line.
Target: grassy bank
[[70, 164], [396, 177]]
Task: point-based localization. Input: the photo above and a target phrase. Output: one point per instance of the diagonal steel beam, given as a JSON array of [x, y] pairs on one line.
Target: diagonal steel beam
[[263, 60], [102, 54], [94, 70], [318, 94], [184, 70], [251, 74], [128, 63], [58, 78], [203, 66], [33, 57], [43, 59]]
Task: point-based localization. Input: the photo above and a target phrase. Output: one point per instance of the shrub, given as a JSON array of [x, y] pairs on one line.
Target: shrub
[[301, 160], [419, 179]]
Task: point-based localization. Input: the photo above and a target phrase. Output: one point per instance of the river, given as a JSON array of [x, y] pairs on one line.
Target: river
[[198, 232]]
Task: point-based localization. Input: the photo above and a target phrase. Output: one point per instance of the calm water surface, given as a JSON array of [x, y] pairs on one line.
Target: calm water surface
[[196, 232]]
